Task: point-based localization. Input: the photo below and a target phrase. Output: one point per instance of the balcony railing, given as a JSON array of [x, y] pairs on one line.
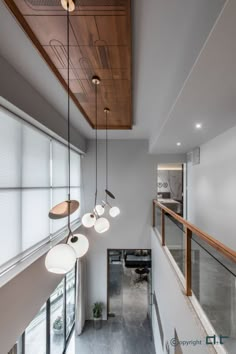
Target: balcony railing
[[206, 267]]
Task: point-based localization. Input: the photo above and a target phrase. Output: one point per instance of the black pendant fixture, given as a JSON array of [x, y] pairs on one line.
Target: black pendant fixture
[[108, 193], [68, 207], [113, 210]]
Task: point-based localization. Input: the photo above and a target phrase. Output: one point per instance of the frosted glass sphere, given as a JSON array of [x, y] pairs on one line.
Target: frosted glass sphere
[[101, 225], [60, 259], [99, 209], [88, 220], [80, 244], [71, 5], [114, 211]]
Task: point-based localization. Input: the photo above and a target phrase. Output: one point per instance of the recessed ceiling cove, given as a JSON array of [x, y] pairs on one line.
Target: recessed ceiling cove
[[100, 44]]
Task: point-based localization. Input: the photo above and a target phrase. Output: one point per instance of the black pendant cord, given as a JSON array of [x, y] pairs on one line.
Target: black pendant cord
[[68, 111], [106, 156], [96, 138]]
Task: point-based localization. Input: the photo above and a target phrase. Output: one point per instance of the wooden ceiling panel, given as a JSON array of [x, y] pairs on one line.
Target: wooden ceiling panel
[[85, 29], [50, 28], [119, 57], [100, 44], [113, 29]]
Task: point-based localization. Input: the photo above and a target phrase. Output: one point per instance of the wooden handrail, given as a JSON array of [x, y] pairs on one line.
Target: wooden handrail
[[220, 247]]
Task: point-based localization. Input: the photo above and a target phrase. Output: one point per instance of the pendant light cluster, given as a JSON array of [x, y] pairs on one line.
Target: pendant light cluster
[[61, 258], [96, 218]]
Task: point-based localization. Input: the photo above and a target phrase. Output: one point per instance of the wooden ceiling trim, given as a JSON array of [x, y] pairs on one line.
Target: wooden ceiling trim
[[100, 45], [14, 9]]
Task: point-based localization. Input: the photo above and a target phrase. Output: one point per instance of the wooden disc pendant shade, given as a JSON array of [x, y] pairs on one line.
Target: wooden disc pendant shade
[[63, 209]]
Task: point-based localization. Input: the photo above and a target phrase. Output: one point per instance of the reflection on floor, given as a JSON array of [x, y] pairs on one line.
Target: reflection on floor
[[129, 332]]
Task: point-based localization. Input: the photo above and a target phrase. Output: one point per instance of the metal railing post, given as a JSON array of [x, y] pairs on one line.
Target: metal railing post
[[163, 239], [153, 213]]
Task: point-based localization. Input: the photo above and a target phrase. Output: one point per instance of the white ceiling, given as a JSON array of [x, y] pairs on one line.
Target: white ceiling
[[181, 74]]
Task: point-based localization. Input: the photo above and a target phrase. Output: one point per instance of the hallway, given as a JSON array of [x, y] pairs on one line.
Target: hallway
[[115, 337], [129, 332]]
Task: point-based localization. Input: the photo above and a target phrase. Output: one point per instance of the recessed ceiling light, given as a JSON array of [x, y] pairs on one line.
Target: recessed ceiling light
[[178, 144], [198, 125]]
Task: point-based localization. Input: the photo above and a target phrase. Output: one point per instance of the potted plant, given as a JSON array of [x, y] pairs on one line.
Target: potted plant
[[97, 315], [58, 326]]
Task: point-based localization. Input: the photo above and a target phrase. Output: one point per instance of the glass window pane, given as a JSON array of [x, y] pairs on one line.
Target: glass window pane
[[35, 334], [35, 221], [59, 195], [10, 235], [10, 151], [70, 300], [57, 319], [75, 169], [59, 165], [35, 158]]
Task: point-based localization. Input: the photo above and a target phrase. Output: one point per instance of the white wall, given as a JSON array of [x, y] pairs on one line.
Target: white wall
[[175, 309], [212, 188], [132, 176], [21, 299], [15, 89]]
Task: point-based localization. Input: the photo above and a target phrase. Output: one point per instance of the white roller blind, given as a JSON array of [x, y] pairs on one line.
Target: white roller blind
[[59, 165], [33, 178], [75, 169], [35, 221], [10, 240], [58, 196], [35, 158]]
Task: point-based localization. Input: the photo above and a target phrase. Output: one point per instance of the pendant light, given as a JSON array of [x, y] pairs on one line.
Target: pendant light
[[108, 193], [113, 210], [101, 224], [89, 219], [61, 258], [68, 5], [80, 244]]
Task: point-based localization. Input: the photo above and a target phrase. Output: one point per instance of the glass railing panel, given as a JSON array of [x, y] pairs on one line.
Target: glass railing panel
[[158, 219], [175, 241], [214, 285]]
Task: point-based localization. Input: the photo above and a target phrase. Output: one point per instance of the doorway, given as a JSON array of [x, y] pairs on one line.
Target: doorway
[[171, 189], [129, 284]]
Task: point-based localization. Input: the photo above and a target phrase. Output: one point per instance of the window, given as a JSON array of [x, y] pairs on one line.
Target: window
[[35, 334], [50, 330], [33, 178], [70, 301], [57, 319]]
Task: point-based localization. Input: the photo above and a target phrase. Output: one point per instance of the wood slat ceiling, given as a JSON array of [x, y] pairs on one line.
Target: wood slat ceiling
[[100, 44]]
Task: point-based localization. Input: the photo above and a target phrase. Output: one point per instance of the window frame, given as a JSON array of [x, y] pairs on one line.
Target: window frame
[[66, 338]]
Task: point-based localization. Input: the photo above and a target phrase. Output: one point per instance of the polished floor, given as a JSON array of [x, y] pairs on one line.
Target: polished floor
[[129, 332]]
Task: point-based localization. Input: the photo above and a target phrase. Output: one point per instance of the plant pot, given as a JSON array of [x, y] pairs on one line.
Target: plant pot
[[97, 323], [58, 332]]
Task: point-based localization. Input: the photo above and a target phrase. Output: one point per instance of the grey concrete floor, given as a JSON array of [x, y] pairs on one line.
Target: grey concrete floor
[[129, 332]]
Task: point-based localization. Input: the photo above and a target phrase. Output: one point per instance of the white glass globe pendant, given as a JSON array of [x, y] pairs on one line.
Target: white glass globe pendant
[[80, 244], [60, 259], [101, 225], [68, 5], [99, 210], [114, 211], [88, 220]]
